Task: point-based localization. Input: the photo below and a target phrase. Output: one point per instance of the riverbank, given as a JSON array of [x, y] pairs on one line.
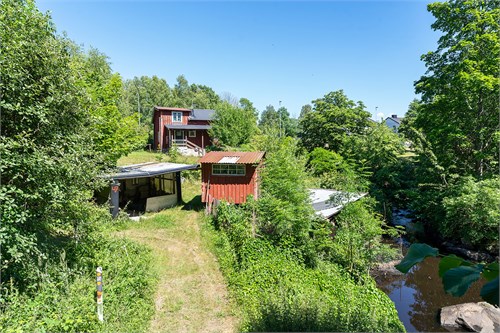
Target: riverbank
[[419, 295]]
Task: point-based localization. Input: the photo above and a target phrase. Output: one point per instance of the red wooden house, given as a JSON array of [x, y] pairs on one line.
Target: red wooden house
[[182, 127], [230, 176]]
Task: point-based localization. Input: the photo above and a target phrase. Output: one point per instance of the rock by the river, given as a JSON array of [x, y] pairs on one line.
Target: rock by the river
[[474, 317]]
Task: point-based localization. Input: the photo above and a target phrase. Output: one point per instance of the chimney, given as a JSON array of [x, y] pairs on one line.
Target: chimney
[[394, 116]]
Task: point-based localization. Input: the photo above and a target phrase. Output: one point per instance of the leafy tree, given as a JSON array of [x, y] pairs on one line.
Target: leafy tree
[[246, 105], [48, 162], [378, 148], [141, 94], [233, 126], [322, 161], [114, 134], [193, 96], [459, 111], [305, 110], [280, 119], [333, 119], [475, 205], [284, 211], [268, 118], [357, 243]]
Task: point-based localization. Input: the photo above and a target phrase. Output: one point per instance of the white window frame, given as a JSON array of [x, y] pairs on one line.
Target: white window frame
[[175, 115], [229, 169], [193, 132]]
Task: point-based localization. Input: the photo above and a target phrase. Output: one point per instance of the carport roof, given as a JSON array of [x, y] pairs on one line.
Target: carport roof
[[150, 169]]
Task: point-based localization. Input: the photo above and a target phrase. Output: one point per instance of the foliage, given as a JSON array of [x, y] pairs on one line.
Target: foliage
[[454, 127], [141, 94], [115, 134], [55, 103], [65, 302], [459, 111], [195, 96], [322, 161], [284, 211], [280, 120], [48, 161], [333, 119], [472, 213], [357, 243], [174, 153], [274, 254], [233, 126], [378, 148], [277, 293], [457, 274]]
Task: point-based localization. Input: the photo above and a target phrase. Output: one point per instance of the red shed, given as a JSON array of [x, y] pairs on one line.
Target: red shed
[[230, 176]]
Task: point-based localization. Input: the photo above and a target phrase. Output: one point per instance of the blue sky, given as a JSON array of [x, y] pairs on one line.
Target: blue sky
[[266, 51]]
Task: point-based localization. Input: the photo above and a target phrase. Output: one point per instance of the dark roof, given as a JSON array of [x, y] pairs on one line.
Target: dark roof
[[202, 114], [188, 127], [149, 169], [232, 157], [166, 108], [395, 119]]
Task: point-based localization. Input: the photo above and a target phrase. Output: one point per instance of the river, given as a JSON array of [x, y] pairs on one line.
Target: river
[[419, 294]]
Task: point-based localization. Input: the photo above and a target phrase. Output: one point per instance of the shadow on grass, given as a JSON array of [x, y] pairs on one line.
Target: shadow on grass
[[195, 204]]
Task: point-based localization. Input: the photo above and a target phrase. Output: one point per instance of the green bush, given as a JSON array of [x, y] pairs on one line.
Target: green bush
[[473, 212], [279, 294], [65, 300]]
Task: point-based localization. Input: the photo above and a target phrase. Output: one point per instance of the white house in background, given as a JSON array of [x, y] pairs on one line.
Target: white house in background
[[393, 122], [328, 203]]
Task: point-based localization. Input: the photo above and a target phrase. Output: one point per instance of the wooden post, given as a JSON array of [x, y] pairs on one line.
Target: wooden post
[[100, 307]]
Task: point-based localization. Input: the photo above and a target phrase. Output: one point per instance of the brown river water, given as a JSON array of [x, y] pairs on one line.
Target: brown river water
[[419, 296]]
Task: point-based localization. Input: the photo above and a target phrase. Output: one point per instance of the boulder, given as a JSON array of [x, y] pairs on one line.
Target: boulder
[[474, 317]]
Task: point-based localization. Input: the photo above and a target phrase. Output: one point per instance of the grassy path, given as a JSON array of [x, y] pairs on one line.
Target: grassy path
[[191, 294]]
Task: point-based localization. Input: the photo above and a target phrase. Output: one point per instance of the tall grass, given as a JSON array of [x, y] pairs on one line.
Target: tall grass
[[65, 300]]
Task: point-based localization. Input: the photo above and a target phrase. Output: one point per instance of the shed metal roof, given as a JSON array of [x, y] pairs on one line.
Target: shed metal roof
[[188, 127], [232, 157], [330, 202], [149, 169]]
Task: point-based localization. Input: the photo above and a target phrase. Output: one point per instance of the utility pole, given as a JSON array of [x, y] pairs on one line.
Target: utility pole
[[279, 114], [138, 108], [138, 104]]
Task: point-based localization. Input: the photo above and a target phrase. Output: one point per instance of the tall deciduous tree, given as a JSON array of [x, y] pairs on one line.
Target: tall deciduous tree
[[47, 158], [279, 121], [141, 94], [333, 119], [194, 96], [459, 111], [233, 126], [114, 134]]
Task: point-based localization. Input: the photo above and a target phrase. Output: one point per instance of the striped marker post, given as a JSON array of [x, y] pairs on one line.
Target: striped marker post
[[100, 309]]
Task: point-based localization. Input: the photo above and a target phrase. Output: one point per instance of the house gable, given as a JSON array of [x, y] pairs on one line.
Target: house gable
[[189, 126]]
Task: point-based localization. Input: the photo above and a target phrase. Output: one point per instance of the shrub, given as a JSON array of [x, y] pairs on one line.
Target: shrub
[[472, 213], [65, 301]]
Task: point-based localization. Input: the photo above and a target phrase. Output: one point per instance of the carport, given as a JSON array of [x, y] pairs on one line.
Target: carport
[[146, 187]]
